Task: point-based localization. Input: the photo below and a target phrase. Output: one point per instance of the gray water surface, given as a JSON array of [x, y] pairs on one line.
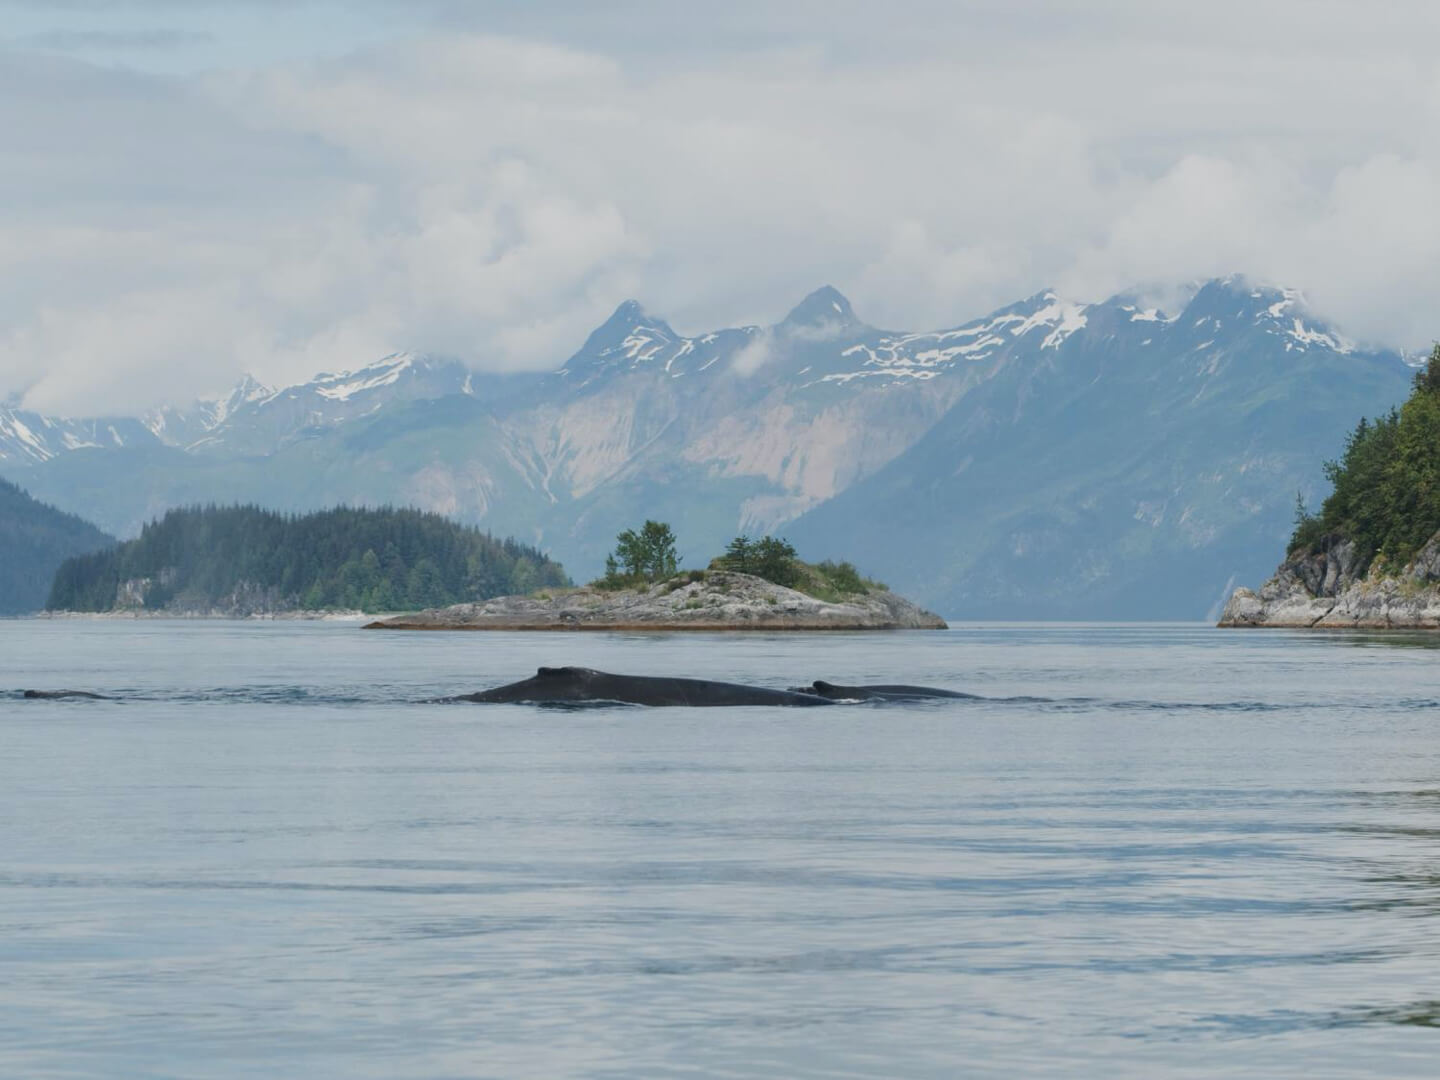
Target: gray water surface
[[1205, 854]]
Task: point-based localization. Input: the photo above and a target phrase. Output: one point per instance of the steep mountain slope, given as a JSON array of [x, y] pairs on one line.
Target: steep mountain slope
[[34, 540], [1048, 458], [1134, 470]]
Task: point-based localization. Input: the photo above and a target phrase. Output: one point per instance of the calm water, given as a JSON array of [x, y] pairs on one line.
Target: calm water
[[1209, 854]]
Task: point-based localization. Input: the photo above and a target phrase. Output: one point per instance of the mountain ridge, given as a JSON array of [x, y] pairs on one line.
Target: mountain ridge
[[753, 428]]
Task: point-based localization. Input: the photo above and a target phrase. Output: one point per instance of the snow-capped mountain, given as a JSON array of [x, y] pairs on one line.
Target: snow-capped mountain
[[255, 419], [184, 427], [1127, 471], [30, 438], [820, 425]]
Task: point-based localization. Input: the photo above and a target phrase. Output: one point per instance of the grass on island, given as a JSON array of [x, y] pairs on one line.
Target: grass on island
[[646, 557]]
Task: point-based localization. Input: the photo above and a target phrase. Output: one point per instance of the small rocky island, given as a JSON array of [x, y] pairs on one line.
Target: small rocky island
[[698, 600], [1370, 559], [755, 585]]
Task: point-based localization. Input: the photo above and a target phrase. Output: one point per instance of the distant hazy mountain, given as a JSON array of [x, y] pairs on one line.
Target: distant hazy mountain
[[34, 540], [28, 438], [1048, 459], [1136, 469]]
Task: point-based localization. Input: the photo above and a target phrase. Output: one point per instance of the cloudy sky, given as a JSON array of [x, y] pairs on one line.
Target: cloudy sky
[[189, 190]]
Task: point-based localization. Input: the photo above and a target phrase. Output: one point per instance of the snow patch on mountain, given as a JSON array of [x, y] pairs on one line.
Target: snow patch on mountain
[[898, 357], [15, 429], [1285, 309], [1063, 319], [30, 438], [342, 386]]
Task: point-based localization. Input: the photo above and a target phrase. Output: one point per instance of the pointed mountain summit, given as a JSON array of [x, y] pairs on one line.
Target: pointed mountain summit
[[626, 334], [248, 389], [825, 307]]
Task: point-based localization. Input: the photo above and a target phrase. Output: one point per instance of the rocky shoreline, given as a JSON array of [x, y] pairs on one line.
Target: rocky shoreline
[[217, 614], [1325, 591], [715, 600]]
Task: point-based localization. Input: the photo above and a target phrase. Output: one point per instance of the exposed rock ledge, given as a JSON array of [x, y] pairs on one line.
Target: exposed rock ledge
[[720, 601], [1323, 591]]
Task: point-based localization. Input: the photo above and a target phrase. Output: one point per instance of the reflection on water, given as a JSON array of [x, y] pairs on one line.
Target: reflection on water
[[1159, 851]]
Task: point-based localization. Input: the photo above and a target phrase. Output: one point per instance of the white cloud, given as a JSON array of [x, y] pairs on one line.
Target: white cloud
[[495, 197]]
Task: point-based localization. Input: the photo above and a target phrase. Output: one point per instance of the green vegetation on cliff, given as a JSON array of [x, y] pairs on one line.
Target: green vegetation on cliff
[[1386, 497], [34, 540], [241, 556]]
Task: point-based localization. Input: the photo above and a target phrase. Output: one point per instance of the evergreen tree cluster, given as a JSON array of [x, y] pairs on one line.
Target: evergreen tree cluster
[[769, 557], [372, 560], [646, 555], [1386, 485], [641, 557]]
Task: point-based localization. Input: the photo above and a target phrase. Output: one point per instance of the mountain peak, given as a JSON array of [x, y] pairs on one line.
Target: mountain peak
[[1243, 298], [627, 329], [627, 317], [1268, 309], [826, 306], [248, 388]]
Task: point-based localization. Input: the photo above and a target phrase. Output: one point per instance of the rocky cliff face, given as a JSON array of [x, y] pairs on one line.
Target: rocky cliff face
[[1325, 590], [247, 600]]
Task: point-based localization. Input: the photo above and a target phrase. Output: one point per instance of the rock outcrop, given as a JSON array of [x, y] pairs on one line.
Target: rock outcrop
[[1325, 590], [715, 600]]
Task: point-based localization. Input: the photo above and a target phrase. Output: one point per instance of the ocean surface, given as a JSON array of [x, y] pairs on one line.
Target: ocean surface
[[1203, 853]]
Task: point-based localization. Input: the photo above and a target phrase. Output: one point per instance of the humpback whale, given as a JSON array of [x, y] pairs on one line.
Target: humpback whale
[[576, 684], [56, 694], [882, 692]]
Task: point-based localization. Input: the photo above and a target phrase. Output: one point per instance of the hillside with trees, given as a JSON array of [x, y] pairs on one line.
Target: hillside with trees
[[34, 540], [1386, 485], [243, 560], [1369, 559]]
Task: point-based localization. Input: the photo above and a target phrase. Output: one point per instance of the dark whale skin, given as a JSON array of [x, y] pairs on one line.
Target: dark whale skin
[[575, 684], [54, 695], [882, 692]]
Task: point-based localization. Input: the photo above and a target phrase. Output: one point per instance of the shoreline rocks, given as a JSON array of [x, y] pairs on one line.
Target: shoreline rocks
[[216, 614], [1324, 591], [714, 600]]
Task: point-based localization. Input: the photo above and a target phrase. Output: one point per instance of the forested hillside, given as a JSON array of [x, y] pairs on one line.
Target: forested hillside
[[243, 559], [34, 540], [1386, 486]]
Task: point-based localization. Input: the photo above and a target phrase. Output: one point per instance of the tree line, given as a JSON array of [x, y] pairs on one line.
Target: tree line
[[647, 555], [1385, 495], [348, 558]]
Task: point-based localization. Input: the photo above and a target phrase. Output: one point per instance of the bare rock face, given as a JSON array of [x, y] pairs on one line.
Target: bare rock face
[[1322, 590], [716, 600]]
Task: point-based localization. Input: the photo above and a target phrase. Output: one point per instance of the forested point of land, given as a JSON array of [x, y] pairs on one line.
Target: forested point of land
[[1386, 485], [374, 560]]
